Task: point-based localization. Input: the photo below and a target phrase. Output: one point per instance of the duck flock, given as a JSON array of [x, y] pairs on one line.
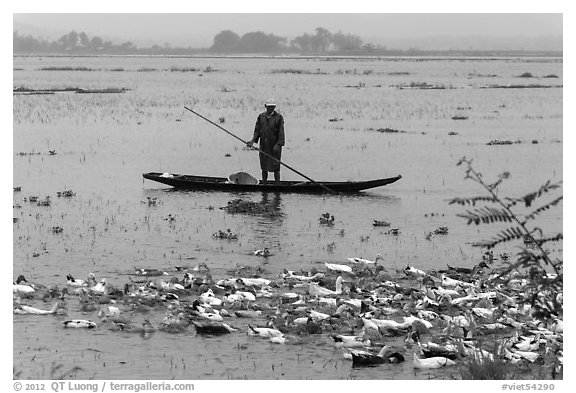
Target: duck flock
[[430, 318]]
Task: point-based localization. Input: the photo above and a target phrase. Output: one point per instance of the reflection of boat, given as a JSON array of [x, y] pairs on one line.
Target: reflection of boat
[[191, 182]]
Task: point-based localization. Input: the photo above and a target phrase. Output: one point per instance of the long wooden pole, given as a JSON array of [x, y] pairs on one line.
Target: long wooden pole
[[260, 150]]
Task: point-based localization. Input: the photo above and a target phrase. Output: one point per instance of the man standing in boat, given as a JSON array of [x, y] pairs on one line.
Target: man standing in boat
[[269, 130]]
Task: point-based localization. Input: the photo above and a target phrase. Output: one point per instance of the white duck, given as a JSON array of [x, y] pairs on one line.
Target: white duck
[[290, 274], [262, 253], [278, 339], [338, 268], [208, 297], [329, 301], [264, 332], [357, 303], [443, 291], [411, 271], [366, 261], [316, 290], [389, 324], [450, 282], [433, 362], [318, 316], [23, 309], [171, 286], [254, 282], [71, 281], [79, 323], [101, 287], [22, 289], [245, 295]]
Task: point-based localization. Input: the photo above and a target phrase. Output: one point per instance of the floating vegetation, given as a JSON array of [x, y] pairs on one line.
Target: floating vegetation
[[387, 130], [228, 235], [30, 93], [526, 75], [17, 189], [550, 76], [477, 75], [14, 220], [358, 72], [45, 202], [21, 90], [441, 231], [57, 229], [452, 133], [358, 86], [499, 142], [150, 201], [65, 194], [380, 223], [32, 199], [393, 73], [147, 69], [183, 69], [433, 214], [334, 119], [297, 71], [67, 68], [530, 86], [28, 154], [393, 231], [422, 85], [227, 155], [459, 117], [170, 218], [248, 207], [110, 90], [326, 219]]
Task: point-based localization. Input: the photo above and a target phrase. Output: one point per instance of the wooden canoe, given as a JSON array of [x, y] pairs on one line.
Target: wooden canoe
[[191, 182]]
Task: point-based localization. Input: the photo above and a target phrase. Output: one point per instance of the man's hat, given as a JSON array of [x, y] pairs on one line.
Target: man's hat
[[270, 102]]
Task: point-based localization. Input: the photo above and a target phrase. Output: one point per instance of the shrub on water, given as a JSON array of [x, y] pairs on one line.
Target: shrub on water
[[543, 291], [483, 367]]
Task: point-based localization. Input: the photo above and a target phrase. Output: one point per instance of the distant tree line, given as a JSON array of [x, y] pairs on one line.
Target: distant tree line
[[80, 43], [322, 42], [226, 41], [72, 42]]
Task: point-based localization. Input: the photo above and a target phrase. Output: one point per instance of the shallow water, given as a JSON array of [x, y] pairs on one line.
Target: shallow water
[[104, 142]]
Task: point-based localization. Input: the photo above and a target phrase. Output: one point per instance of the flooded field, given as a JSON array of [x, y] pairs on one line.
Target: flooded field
[[94, 125]]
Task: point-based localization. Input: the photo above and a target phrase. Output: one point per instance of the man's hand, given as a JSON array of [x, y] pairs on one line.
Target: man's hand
[[249, 143], [276, 148]]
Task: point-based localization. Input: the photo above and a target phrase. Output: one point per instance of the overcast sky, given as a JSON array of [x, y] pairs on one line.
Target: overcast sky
[[426, 30]]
